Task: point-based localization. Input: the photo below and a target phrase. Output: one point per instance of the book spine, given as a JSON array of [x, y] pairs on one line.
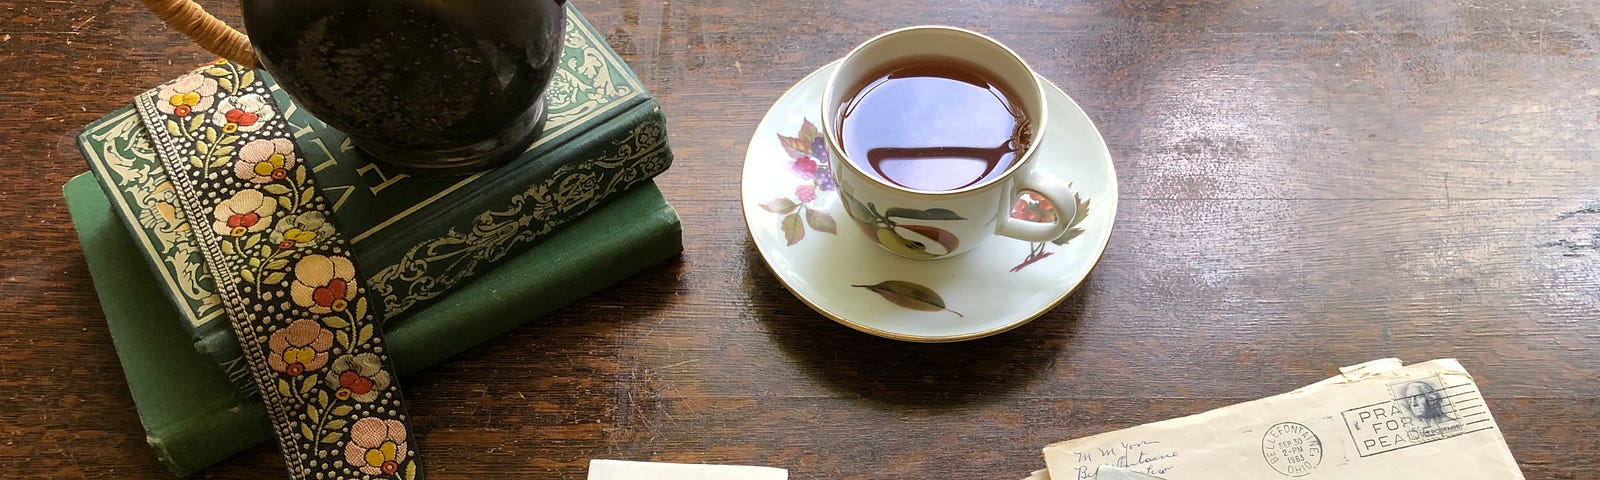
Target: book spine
[[178, 393], [616, 155]]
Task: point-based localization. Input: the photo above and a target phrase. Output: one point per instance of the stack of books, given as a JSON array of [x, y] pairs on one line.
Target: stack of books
[[451, 261]]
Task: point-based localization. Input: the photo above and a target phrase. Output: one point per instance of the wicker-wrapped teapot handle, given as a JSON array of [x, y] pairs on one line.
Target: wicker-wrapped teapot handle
[[205, 30]]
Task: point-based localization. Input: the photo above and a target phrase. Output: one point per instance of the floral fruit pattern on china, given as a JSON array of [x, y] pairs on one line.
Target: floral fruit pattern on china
[[1033, 207], [887, 227], [808, 160]]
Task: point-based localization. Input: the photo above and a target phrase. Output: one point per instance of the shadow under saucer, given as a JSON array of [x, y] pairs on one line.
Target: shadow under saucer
[[886, 371]]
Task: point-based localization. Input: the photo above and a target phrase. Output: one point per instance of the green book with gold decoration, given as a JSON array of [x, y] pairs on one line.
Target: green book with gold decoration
[[194, 417], [415, 238]]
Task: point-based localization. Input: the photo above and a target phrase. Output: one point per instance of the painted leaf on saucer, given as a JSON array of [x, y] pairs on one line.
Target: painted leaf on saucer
[[1034, 208], [821, 221], [793, 231], [910, 295], [808, 159], [781, 206]]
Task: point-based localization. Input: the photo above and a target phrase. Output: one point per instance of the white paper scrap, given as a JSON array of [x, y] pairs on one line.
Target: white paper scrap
[[625, 470]]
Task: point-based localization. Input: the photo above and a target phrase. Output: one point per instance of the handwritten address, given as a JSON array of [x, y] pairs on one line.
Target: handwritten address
[[1144, 456]]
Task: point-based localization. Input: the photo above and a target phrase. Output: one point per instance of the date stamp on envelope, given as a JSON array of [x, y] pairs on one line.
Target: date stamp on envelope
[[1291, 449], [1419, 411]]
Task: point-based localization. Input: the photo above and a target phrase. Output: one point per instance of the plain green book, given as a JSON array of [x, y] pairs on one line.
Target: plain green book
[[415, 238], [192, 414]]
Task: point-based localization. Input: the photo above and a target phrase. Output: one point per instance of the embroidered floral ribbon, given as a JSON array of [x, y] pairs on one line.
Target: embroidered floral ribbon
[[284, 273]]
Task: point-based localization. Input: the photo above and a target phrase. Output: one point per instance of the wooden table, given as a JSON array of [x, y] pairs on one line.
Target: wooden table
[[1305, 185]]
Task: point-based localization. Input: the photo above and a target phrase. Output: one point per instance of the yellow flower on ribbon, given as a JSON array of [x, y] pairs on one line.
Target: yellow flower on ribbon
[[263, 160], [298, 348], [377, 446], [304, 229], [323, 284], [186, 95]]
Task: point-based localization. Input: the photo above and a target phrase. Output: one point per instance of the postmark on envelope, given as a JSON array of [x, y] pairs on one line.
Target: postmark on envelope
[[1291, 449], [1419, 410]]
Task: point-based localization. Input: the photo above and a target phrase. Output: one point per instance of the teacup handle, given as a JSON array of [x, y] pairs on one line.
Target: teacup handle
[[1055, 191]]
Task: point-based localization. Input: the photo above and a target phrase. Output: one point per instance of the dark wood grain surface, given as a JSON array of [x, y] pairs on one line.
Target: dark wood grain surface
[[1305, 185]]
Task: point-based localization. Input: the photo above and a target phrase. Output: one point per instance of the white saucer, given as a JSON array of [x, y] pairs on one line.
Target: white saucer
[[820, 255]]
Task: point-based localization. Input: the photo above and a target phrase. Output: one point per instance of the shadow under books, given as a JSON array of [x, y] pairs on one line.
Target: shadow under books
[[886, 371]]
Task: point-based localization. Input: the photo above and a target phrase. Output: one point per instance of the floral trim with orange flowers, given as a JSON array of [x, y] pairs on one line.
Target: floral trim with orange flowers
[[284, 274]]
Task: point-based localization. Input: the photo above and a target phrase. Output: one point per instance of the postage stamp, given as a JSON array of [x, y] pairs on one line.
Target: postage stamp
[[1418, 411], [1291, 449]]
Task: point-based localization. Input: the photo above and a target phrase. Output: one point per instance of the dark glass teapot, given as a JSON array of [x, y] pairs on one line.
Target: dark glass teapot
[[432, 86]]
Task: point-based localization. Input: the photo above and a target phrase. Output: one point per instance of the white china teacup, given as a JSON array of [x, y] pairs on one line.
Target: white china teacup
[[932, 224]]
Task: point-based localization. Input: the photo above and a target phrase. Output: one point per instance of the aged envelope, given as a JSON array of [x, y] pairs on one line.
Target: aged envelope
[[1374, 420]]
